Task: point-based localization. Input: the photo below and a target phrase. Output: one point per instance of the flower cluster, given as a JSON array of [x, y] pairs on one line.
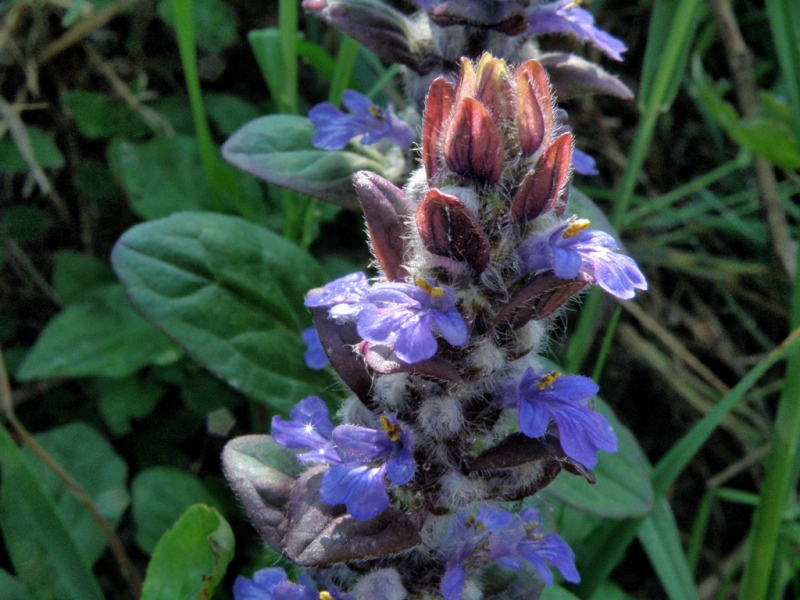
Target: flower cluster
[[431, 40], [453, 409]]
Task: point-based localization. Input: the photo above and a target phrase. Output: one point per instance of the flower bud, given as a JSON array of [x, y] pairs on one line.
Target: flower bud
[[534, 107], [384, 206], [438, 105], [473, 147], [542, 187], [448, 228]]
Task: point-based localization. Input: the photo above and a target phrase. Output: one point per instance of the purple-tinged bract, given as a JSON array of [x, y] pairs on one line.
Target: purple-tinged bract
[[403, 315], [570, 249], [335, 128]]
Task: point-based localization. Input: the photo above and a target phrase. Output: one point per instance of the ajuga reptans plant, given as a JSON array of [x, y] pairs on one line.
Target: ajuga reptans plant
[[454, 413]]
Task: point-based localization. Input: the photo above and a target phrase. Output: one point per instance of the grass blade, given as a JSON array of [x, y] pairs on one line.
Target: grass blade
[[659, 536]]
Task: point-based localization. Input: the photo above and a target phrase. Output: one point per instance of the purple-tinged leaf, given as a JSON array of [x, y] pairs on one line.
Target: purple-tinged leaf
[[448, 228], [262, 474], [508, 18], [338, 340], [538, 299], [380, 28], [573, 76], [383, 360], [320, 534]]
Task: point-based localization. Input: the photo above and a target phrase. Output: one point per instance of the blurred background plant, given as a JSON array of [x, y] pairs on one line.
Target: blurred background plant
[[113, 113]]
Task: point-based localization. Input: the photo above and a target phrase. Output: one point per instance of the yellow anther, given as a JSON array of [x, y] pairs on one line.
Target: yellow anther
[[376, 111], [325, 595], [576, 227], [393, 431], [547, 380], [429, 289]]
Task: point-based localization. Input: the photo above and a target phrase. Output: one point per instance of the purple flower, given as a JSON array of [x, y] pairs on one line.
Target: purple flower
[[357, 482], [566, 16], [314, 355], [308, 428], [403, 315], [336, 128], [497, 535], [570, 249], [583, 163], [520, 541], [564, 398], [344, 296], [272, 584]]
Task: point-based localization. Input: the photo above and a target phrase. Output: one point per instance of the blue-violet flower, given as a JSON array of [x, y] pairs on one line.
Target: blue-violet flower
[[314, 356], [358, 484], [566, 16], [344, 296], [335, 128], [402, 315], [571, 248], [497, 535], [520, 541], [308, 428], [564, 398], [272, 584]]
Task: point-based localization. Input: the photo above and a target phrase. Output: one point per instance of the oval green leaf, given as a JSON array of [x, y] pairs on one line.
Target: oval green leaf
[[191, 558], [231, 293]]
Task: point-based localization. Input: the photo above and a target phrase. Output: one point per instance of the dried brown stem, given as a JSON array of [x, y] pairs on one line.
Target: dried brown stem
[[80, 30], [23, 142], [740, 60], [126, 565]]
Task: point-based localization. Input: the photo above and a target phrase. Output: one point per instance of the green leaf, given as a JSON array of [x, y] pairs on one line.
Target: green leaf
[[160, 497], [102, 336], [661, 540], [191, 558], [38, 542], [24, 223], [76, 276], [669, 36], [45, 151], [165, 175], [96, 467], [768, 136], [13, 588], [623, 486], [203, 393], [215, 23], [99, 116], [161, 176], [278, 149], [229, 112], [556, 593], [122, 400], [231, 293], [610, 591]]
